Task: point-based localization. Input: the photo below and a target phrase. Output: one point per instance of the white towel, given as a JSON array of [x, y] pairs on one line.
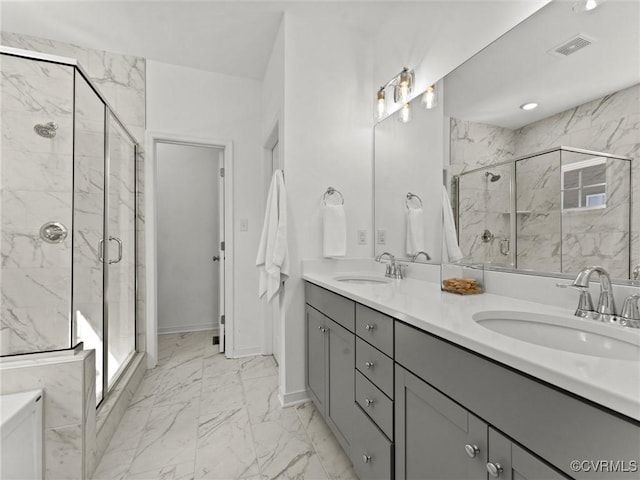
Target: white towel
[[335, 231], [273, 252], [415, 231], [451, 251]]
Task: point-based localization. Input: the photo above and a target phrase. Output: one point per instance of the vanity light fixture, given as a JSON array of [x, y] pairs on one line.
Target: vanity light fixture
[[380, 104], [402, 84], [404, 114], [430, 97], [529, 106]]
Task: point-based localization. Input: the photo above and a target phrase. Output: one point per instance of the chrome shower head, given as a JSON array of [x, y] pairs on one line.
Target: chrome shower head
[[492, 176], [48, 130]]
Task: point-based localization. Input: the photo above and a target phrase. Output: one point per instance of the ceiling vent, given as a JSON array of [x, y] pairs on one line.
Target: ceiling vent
[[572, 45]]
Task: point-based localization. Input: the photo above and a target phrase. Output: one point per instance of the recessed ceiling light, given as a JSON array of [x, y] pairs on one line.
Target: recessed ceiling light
[[529, 106]]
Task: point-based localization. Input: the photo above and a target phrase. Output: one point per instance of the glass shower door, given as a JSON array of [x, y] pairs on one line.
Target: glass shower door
[[120, 249], [88, 223]]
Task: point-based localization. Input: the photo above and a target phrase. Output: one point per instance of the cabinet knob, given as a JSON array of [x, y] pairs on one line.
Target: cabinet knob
[[366, 458], [368, 364], [368, 402], [472, 450], [494, 469], [369, 328], [320, 327]]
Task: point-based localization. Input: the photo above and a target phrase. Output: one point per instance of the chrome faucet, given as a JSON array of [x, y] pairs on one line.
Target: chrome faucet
[[426, 256], [390, 271], [393, 270], [606, 302]]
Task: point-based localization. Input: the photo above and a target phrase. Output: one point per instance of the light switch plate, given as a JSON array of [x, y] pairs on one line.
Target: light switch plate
[[381, 238], [362, 237], [244, 224]]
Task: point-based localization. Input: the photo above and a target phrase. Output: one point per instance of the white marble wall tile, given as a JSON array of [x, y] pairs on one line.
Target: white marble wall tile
[[63, 453], [181, 471], [225, 446], [62, 386]]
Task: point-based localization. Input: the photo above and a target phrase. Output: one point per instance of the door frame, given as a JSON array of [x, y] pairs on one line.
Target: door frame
[[152, 138]]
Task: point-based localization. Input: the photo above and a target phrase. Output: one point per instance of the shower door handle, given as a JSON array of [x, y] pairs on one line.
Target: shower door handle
[[119, 249], [101, 250]]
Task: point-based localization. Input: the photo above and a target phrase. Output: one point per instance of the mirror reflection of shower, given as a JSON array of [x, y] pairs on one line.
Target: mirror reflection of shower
[[46, 130], [492, 177]]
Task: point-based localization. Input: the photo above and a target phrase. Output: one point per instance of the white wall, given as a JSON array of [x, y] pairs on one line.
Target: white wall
[[191, 102], [188, 237], [328, 140], [331, 75]]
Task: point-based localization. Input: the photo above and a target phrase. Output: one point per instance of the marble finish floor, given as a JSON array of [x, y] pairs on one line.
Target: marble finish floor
[[198, 415]]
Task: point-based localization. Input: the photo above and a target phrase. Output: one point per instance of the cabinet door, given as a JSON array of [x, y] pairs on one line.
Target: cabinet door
[[433, 434], [340, 400], [508, 461], [316, 368]]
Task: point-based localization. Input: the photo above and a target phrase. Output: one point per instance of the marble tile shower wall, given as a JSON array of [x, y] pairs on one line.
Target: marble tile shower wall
[[36, 188], [609, 124], [121, 79]]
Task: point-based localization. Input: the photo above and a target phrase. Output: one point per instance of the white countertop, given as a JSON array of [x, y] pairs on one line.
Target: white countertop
[[612, 383]]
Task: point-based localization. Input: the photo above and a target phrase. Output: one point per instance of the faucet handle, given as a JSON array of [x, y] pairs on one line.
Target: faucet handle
[[585, 304], [401, 270], [630, 315]]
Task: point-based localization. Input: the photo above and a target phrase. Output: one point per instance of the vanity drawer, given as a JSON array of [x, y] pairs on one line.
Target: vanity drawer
[[379, 369], [375, 327], [337, 308], [375, 403], [371, 452]]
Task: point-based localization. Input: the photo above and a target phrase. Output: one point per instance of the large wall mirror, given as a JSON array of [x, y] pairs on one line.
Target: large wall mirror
[[549, 189], [408, 164]]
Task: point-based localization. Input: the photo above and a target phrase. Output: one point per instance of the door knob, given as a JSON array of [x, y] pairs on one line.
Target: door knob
[[216, 258]]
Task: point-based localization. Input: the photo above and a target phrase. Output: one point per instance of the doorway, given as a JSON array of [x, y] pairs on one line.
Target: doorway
[[188, 237]]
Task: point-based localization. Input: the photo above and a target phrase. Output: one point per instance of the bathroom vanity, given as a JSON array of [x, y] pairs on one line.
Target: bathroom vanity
[[414, 387]]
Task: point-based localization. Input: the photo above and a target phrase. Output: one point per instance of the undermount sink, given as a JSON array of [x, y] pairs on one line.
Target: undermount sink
[[560, 333], [362, 279]]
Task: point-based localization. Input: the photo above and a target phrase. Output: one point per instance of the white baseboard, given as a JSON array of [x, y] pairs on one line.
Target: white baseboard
[[246, 352], [187, 328], [293, 398]]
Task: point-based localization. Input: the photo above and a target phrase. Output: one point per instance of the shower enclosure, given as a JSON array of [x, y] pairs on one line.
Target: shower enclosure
[[551, 211], [67, 217]]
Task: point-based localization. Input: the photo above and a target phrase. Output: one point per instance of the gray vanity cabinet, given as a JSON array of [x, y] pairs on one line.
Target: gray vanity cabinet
[[510, 462], [330, 359], [433, 434]]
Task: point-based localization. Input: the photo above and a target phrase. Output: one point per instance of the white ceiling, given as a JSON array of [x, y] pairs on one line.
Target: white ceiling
[[230, 37], [490, 87]]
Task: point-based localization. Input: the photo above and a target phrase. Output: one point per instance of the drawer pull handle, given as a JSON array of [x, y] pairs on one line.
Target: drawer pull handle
[[366, 458], [368, 402], [368, 364], [494, 469], [369, 328], [472, 450]]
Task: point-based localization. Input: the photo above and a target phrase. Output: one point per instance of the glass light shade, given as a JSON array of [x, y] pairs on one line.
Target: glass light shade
[[404, 114], [380, 104], [430, 97], [403, 86]]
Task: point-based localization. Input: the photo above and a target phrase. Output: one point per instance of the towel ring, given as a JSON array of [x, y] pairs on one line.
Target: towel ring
[[332, 191], [411, 196]]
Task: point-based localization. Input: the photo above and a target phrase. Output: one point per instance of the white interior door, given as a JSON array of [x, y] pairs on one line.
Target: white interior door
[[188, 216]]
